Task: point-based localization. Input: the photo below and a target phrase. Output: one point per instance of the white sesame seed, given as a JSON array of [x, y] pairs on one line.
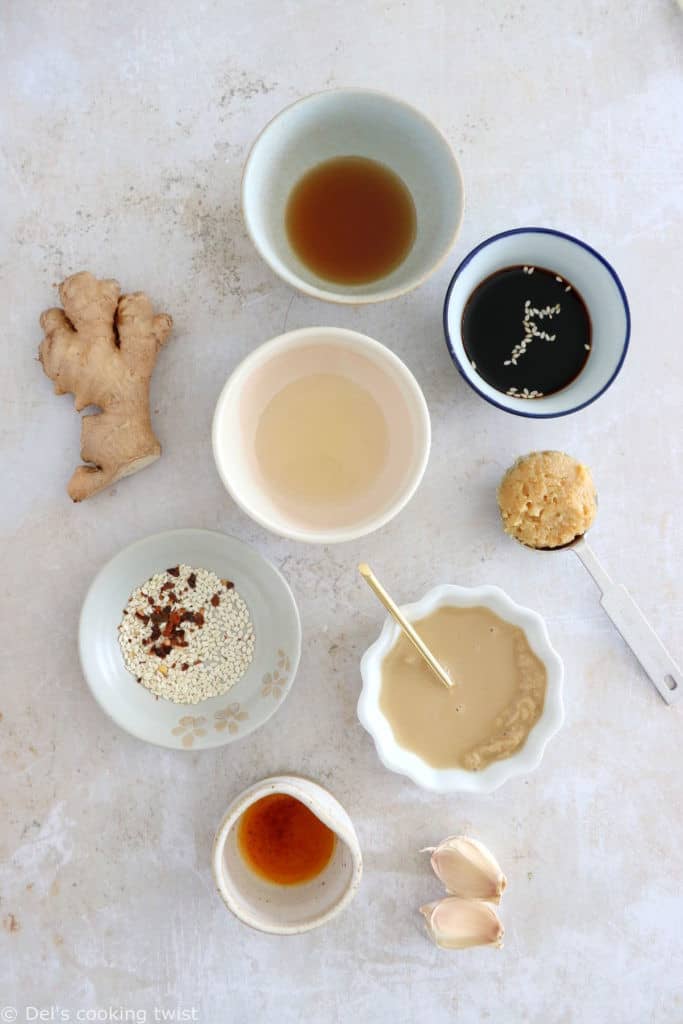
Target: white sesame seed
[[216, 648]]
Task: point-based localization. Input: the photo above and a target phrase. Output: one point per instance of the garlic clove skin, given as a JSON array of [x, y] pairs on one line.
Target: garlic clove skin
[[454, 923], [467, 869]]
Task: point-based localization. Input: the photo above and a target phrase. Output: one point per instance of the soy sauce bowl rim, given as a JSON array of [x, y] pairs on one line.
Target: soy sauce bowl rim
[[467, 376]]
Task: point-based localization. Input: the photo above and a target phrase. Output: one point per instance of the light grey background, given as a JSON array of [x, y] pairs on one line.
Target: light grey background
[[124, 129]]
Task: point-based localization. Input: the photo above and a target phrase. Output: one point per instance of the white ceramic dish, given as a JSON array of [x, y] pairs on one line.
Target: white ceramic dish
[[452, 780], [322, 350], [211, 723], [287, 910], [353, 122], [591, 275]]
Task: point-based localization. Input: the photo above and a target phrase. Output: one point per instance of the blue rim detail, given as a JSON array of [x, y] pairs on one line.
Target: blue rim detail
[[577, 241]]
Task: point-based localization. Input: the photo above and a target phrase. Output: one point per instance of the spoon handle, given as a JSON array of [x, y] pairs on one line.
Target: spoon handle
[[408, 631], [634, 628]]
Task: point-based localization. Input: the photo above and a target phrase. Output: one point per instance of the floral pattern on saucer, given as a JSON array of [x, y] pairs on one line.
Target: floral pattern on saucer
[[275, 681], [229, 718], [189, 728]]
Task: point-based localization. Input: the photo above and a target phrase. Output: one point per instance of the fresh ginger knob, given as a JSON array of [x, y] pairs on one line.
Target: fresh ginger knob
[[102, 348]]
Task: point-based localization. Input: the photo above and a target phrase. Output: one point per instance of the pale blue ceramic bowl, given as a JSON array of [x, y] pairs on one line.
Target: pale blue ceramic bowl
[[353, 122]]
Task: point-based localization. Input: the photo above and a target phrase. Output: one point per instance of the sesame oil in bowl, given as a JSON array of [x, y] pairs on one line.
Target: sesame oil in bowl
[[283, 841], [286, 856]]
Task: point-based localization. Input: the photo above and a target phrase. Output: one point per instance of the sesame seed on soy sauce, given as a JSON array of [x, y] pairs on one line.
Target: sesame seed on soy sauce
[[526, 331]]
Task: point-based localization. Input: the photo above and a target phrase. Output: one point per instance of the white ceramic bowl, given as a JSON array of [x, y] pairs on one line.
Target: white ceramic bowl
[[591, 275], [353, 122], [287, 909], [219, 720], [452, 780], [322, 350]]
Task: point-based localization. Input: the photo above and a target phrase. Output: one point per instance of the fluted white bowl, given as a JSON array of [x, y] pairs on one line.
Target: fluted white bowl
[[450, 780]]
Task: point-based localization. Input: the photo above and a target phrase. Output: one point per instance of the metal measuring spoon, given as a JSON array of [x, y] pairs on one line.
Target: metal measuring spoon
[[631, 623], [542, 468]]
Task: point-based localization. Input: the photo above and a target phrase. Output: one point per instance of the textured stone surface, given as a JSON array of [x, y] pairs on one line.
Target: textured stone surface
[[124, 129]]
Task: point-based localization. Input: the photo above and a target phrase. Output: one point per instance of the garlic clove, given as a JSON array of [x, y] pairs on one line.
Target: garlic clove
[[454, 923], [467, 869]]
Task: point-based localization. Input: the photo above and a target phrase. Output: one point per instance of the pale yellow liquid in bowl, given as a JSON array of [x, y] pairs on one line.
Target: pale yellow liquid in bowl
[[322, 441]]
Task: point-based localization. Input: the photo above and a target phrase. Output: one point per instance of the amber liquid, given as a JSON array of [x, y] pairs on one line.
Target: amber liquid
[[351, 220], [282, 841]]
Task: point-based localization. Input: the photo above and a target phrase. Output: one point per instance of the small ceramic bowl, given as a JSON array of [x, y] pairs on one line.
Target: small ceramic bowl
[[218, 720], [301, 353], [353, 122], [591, 275], [287, 909], [453, 780]]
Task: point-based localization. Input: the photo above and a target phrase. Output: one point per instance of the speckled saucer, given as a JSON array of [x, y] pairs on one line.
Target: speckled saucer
[[216, 721]]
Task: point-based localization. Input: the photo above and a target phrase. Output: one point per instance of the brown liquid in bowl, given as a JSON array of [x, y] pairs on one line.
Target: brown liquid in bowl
[[282, 841], [351, 220]]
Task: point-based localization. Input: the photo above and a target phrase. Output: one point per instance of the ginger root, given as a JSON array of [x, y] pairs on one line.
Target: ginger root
[[102, 348]]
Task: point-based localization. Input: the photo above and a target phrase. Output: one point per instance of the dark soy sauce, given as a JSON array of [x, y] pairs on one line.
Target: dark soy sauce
[[351, 220], [526, 331]]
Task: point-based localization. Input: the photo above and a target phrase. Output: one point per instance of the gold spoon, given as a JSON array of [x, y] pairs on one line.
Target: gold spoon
[[408, 631]]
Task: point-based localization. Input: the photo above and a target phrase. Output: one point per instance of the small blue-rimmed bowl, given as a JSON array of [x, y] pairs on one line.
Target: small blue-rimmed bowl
[[588, 272]]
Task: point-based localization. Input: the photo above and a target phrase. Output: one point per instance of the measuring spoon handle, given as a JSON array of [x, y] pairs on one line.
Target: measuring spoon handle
[[634, 628]]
